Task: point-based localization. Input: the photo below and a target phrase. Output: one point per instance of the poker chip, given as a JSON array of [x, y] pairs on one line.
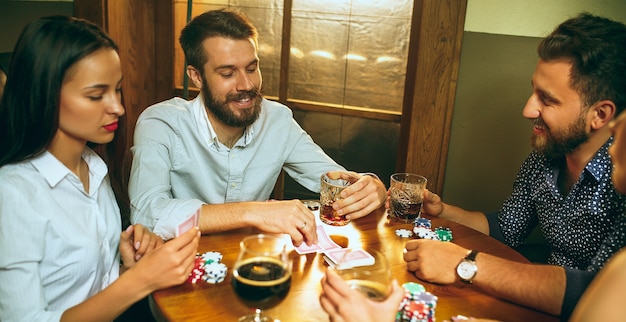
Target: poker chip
[[208, 267], [214, 273], [422, 229], [212, 257], [444, 233], [404, 233], [422, 222], [417, 304]]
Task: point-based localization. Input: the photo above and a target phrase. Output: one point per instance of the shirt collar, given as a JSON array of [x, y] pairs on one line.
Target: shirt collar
[[600, 165], [54, 171], [202, 124]]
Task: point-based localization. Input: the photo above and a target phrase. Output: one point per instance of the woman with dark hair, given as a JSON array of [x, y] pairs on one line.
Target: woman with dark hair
[[60, 223]]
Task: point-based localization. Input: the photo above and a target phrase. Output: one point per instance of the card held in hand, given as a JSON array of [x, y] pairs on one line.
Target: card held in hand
[[324, 243], [190, 222]]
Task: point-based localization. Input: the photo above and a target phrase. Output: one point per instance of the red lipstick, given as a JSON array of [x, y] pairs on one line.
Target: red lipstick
[[111, 127]]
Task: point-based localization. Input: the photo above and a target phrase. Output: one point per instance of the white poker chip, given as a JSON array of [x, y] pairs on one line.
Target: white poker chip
[[212, 257], [421, 231], [404, 233], [207, 267], [430, 235], [215, 273]]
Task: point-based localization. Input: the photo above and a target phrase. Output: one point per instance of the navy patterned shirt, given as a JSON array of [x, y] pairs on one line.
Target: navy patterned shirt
[[583, 228]]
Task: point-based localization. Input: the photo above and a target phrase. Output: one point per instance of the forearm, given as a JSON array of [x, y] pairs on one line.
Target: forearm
[[228, 216], [541, 287], [473, 219], [112, 301]]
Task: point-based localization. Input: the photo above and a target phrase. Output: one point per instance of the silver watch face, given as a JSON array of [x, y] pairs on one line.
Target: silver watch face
[[466, 270]]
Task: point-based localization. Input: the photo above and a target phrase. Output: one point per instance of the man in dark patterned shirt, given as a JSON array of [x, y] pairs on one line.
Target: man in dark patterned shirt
[[564, 186]]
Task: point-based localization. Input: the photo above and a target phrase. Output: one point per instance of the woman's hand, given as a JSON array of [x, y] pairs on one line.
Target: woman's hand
[[343, 304], [135, 242]]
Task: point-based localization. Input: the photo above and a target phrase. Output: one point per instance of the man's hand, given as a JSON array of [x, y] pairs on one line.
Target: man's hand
[[433, 261], [432, 205], [287, 217], [363, 196]]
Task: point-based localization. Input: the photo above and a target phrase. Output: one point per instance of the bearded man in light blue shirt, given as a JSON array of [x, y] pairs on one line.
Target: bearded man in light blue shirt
[[223, 151]]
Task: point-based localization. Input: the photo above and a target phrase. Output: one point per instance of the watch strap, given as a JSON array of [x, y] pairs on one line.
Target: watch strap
[[472, 255]]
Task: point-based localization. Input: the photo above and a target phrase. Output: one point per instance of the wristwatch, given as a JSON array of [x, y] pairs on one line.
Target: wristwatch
[[467, 267]]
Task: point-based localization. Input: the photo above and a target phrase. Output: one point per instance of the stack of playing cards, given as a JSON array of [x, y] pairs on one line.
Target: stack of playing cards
[[336, 256], [344, 258]]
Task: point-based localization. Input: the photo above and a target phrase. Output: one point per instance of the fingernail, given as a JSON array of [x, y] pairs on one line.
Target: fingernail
[[137, 257], [137, 244]]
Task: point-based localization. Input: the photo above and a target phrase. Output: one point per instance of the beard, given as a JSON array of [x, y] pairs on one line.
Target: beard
[[226, 115], [556, 145]]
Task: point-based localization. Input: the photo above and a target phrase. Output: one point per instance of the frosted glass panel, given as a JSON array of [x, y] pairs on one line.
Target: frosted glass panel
[[317, 69], [376, 66], [350, 53]]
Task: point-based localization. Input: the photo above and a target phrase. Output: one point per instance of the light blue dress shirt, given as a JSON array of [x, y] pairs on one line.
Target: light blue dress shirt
[[58, 244], [179, 163]]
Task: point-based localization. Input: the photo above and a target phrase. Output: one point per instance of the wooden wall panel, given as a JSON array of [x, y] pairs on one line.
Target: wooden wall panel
[[142, 30], [436, 37]]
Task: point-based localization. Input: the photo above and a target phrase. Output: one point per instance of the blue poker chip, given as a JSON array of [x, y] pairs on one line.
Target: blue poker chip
[[422, 222], [404, 233]]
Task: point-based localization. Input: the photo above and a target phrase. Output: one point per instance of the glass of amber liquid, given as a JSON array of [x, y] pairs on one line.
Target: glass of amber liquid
[[406, 195], [330, 192]]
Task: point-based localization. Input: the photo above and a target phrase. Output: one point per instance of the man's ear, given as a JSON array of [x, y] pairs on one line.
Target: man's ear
[[195, 76], [602, 113]]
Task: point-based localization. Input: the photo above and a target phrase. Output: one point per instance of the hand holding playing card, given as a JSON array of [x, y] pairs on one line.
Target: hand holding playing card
[[190, 222], [324, 243]]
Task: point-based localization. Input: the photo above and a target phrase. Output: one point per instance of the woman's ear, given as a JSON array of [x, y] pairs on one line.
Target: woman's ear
[[602, 113], [195, 76]]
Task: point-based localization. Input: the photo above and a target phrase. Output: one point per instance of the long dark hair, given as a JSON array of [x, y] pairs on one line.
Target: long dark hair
[[29, 111]]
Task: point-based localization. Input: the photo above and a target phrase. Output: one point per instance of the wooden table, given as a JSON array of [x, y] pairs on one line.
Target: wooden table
[[218, 302]]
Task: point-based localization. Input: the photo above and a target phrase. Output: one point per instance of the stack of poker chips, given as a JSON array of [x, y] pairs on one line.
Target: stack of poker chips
[[417, 304], [422, 229], [207, 267]]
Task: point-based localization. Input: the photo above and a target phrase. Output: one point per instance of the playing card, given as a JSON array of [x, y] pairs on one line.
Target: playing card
[[190, 222], [343, 258], [324, 243], [306, 249]]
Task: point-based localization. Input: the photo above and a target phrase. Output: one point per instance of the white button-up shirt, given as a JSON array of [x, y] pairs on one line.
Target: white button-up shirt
[[58, 244], [179, 163]]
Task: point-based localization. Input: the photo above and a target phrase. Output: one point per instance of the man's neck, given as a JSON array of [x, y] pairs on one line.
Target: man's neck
[[227, 135]]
